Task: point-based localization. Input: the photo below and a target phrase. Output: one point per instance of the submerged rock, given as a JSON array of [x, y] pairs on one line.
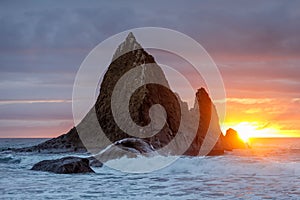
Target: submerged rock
[[128, 147], [94, 162], [66, 165], [135, 145]]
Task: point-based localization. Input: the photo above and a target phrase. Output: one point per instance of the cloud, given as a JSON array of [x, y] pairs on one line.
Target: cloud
[[249, 100], [34, 129], [296, 100], [33, 123], [266, 28], [255, 44], [5, 102], [64, 27], [266, 125], [36, 111], [253, 110]]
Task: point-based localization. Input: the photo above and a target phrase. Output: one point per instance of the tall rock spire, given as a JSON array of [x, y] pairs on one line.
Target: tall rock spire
[[130, 44], [130, 55]]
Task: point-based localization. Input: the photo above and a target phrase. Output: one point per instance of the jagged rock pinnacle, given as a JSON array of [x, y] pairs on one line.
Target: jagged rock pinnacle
[[130, 36], [130, 44]]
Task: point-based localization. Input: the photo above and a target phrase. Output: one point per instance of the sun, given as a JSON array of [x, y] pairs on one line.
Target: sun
[[248, 130], [245, 130]]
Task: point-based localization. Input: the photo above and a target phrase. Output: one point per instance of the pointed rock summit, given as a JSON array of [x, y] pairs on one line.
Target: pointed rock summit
[[130, 37], [130, 44], [130, 56]]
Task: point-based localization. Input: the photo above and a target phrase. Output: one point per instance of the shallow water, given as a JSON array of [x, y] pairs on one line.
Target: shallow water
[[270, 170]]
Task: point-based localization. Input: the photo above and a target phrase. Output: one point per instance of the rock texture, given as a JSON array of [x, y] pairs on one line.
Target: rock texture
[[232, 140], [130, 56], [128, 147], [142, 99], [134, 145], [69, 142], [208, 124], [66, 165], [94, 162]]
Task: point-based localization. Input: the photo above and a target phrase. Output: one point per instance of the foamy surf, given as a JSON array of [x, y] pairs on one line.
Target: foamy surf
[[269, 171], [141, 164]]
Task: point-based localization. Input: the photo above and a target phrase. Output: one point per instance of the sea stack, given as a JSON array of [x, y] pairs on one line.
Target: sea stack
[[131, 56], [232, 140]]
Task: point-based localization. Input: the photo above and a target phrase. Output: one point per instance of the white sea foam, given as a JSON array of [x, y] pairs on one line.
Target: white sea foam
[[256, 173], [141, 164]]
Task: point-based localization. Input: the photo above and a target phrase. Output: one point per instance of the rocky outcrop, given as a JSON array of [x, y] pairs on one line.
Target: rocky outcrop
[[134, 145], [208, 125], [131, 56], [128, 147], [153, 89], [94, 162], [232, 140], [66, 165], [69, 142]]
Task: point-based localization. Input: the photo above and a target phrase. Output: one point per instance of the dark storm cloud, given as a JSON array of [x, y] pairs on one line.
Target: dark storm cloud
[[64, 26], [243, 27], [234, 27], [51, 35]]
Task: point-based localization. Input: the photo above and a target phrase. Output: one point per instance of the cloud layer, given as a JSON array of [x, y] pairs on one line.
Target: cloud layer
[[255, 44]]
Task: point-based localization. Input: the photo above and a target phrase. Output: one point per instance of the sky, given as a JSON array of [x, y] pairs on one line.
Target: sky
[[255, 44]]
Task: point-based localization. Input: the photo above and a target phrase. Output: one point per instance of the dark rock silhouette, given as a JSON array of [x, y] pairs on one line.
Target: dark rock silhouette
[[208, 122], [135, 145], [69, 142], [142, 99], [130, 56], [232, 140], [66, 165], [94, 162], [128, 147]]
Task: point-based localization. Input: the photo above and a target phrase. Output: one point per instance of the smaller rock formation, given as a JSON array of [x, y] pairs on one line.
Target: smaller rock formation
[[66, 165], [135, 145], [69, 142], [127, 147], [232, 140], [94, 162], [208, 125]]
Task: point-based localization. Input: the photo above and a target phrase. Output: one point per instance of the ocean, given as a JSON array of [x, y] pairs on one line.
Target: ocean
[[269, 170]]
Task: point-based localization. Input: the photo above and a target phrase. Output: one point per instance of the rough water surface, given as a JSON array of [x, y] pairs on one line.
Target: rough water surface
[[270, 170]]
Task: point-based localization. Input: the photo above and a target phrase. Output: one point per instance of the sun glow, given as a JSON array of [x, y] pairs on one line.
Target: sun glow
[[248, 130], [244, 130]]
